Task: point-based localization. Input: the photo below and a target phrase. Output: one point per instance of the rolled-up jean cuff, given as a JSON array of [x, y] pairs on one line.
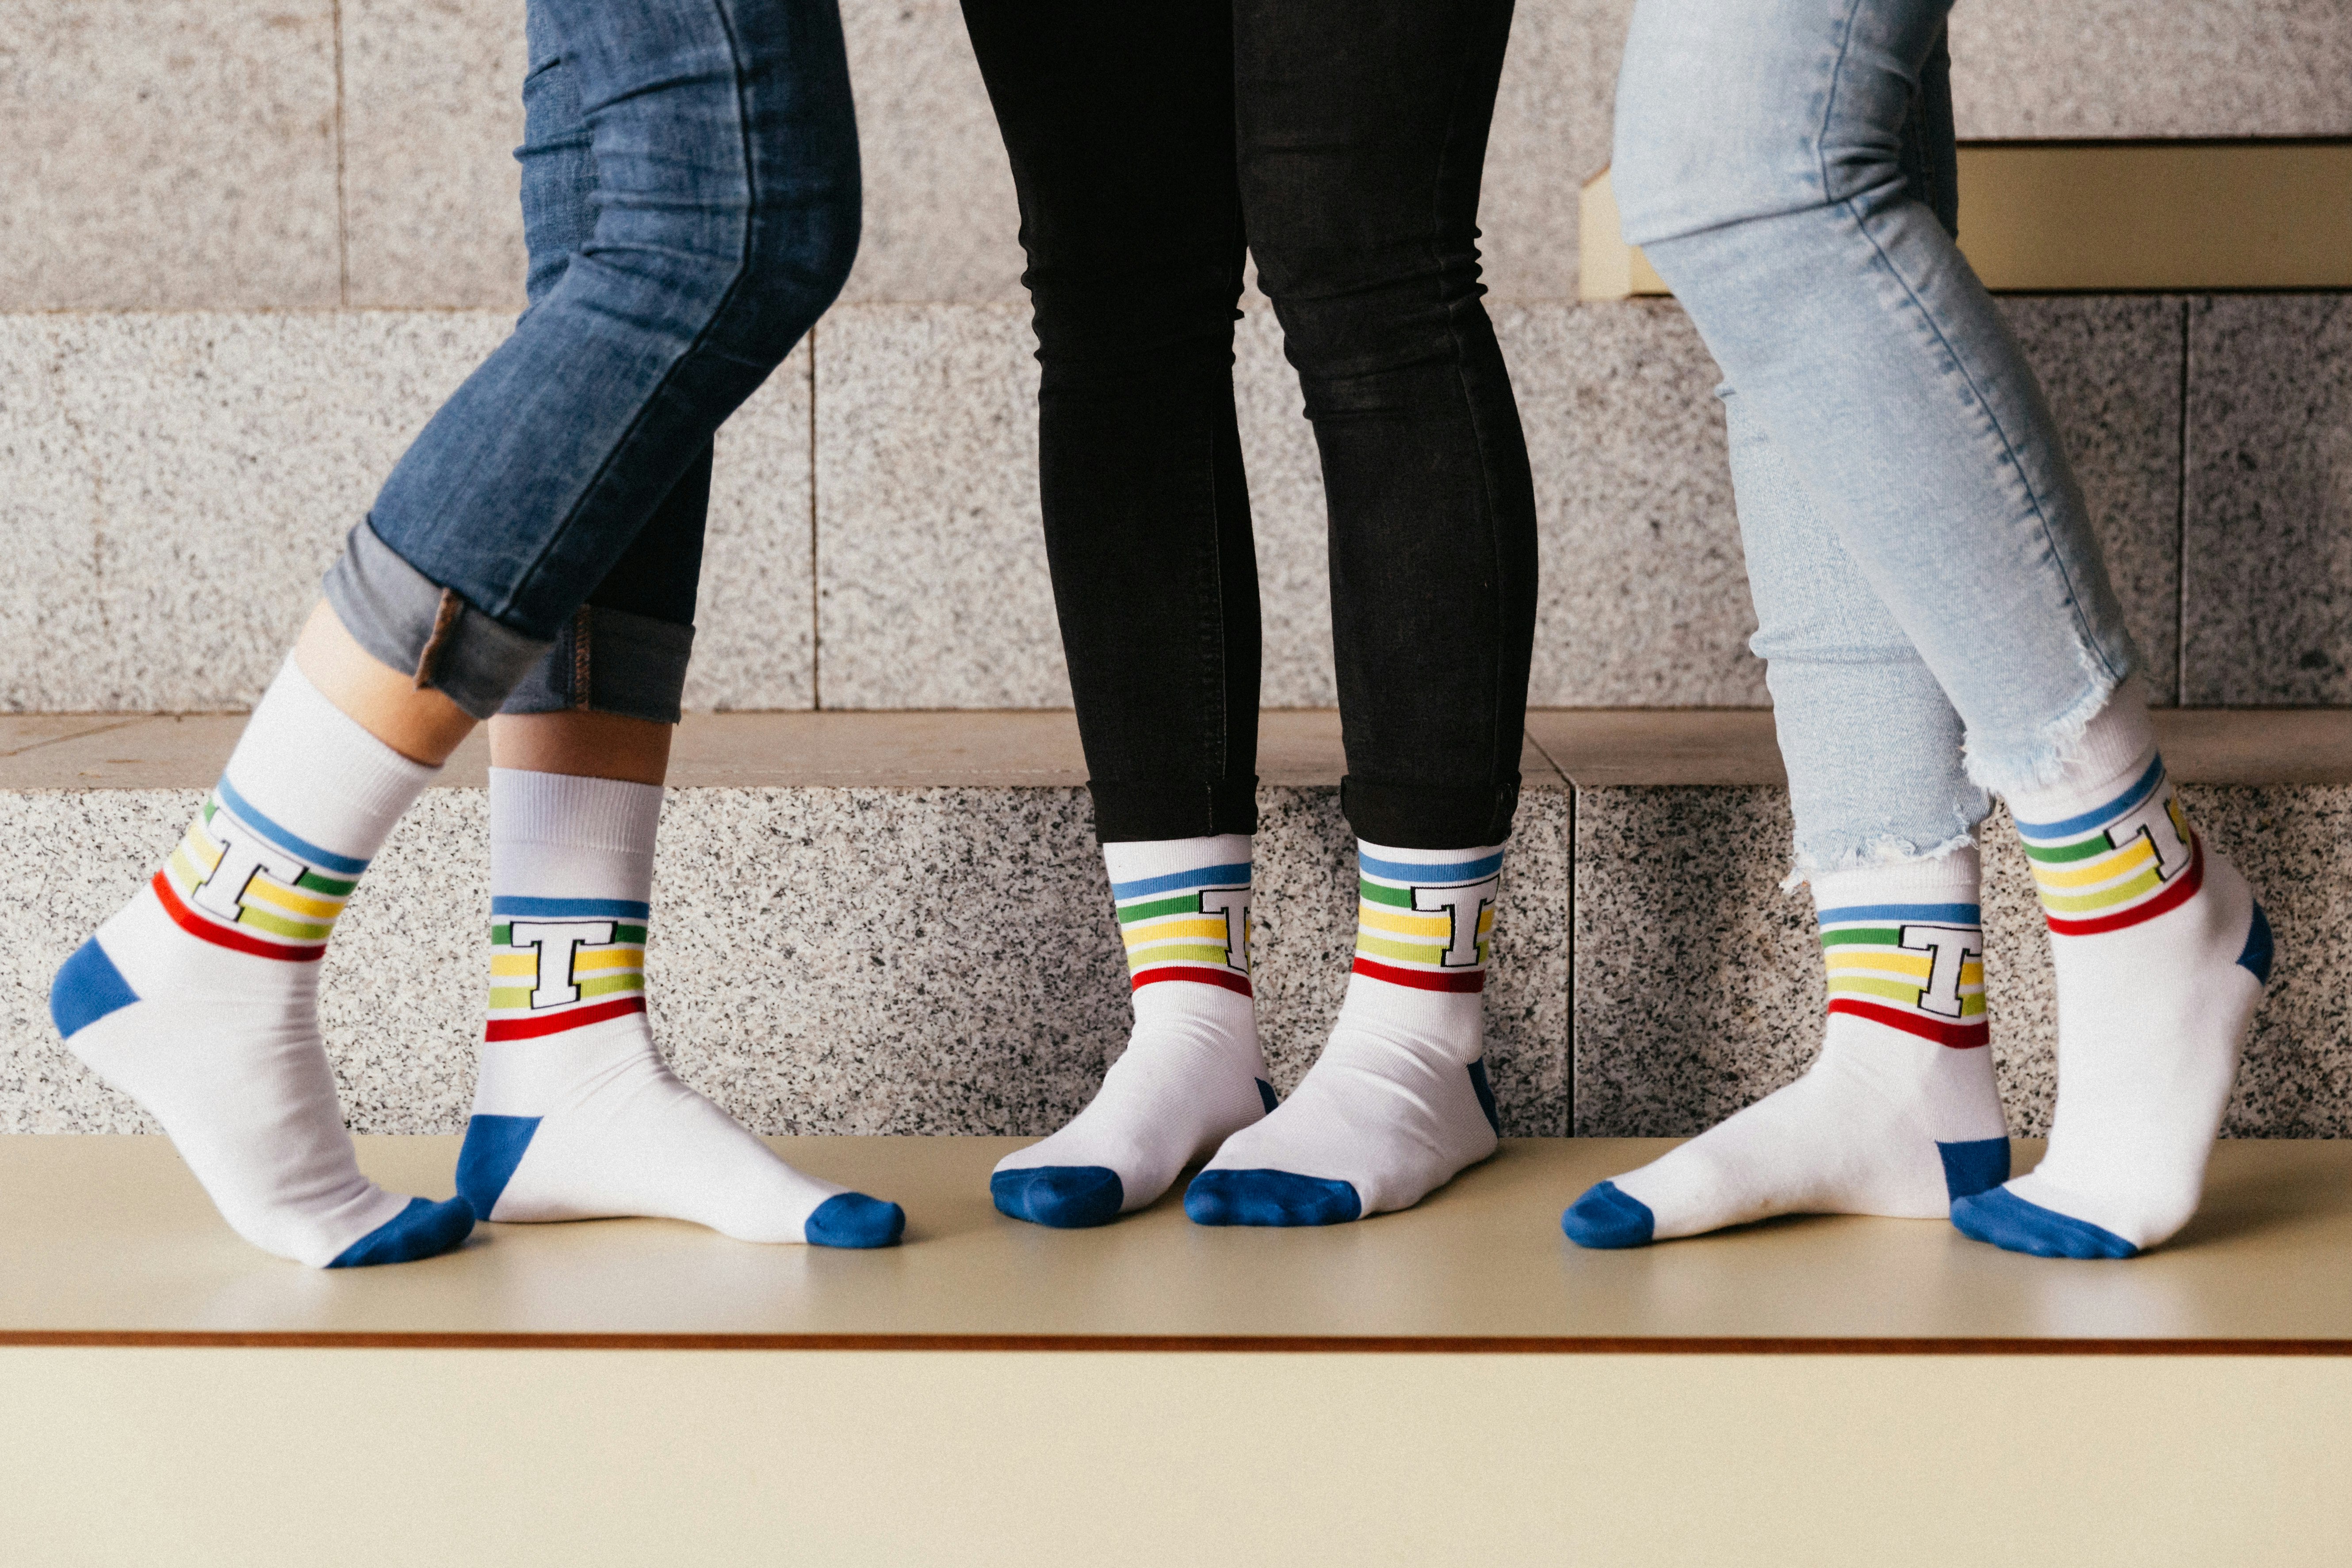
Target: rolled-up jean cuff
[[1145, 813], [1430, 817], [424, 630], [610, 661]]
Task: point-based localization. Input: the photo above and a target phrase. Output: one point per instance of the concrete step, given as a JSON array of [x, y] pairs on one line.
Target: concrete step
[[637, 1391], [815, 968], [303, 155], [175, 484]]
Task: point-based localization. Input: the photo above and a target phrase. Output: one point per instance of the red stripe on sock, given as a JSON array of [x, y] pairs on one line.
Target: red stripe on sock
[[2172, 898], [1204, 976], [1422, 979], [1959, 1036], [556, 1023], [236, 941]]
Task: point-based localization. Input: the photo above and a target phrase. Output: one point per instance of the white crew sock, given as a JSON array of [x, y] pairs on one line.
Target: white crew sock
[[199, 998], [2161, 953], [1191, 1073], [1398, 1103], [1898, 1115], [575, 1114]]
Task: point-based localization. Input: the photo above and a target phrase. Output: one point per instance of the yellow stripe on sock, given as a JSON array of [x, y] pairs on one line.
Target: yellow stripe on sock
[[2106, 868], [2148, 881], [1881, 961], [278, 897], [523, 963], [201, 847], [584, 963], [1168, 930], [1372, 917]]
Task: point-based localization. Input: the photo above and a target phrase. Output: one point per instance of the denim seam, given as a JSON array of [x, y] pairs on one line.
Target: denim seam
[[702, 334], [1477, 434], [2009, 447]]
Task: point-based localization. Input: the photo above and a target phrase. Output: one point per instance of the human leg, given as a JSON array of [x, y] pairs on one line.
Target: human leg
[[1899, 1113], [1361, 141], [199, 997], [1789, 223], [1118, 122]]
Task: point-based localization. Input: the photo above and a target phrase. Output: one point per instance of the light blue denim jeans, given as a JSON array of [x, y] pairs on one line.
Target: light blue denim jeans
[[1921, 558]]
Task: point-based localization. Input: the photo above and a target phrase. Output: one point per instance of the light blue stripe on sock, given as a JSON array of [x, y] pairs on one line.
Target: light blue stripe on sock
[[1206, 876], [2105, 814], [1950, 914], [572, 909], [292, 843], [1411, 871]]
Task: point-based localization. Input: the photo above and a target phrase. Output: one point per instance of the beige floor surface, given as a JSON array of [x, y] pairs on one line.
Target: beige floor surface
[[106, 1237]]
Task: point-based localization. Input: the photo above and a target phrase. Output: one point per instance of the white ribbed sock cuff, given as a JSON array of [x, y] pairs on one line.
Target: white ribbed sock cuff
[[2115, 748], [575, 813], [1951, 879], [316, 772], [562, 837], [1139, 860]]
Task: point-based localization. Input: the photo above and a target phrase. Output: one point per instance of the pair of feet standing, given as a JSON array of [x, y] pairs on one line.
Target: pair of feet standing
[[2160, 953], [199, 1000]]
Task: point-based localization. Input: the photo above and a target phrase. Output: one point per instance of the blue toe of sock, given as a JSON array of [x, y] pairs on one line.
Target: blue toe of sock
[[852, 1219], [1067, 1197], [1606, 1217], [2002, 1219], [423, 1229], [1269, 1197]]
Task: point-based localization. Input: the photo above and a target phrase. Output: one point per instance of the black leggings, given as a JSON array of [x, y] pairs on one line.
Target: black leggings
[[1152, 141]]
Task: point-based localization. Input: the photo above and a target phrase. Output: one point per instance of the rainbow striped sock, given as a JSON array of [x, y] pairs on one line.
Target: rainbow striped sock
[[2161, 954], [1899, 1115], [1191, 1073], [1398, 1104], [199, 999], [576, 1116]]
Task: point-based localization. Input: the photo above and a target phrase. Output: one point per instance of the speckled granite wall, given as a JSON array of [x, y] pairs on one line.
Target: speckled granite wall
[[1697, 985], [820, 961]]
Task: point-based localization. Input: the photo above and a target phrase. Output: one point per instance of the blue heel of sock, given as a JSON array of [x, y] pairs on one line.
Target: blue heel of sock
[[423, 1229], [2256, 960], [2005, 1220], [88, 987], [1607, 1218], [486, 1160], [1973, 1166], [854, 1220], [1067, 1197], [1269, 1197]]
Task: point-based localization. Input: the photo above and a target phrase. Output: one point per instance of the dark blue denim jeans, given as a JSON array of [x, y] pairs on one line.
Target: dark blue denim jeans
[[690, 197]]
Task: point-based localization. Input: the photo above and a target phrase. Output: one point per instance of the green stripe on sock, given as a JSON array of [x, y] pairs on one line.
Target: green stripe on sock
[[1143, 957], [503, 934], [629, 935], [209, 809], [1382, 893], [505, 996], [1182, 904], [612, 983], [310, 881], [2059, 854], [1863, 936], [275, 925]]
